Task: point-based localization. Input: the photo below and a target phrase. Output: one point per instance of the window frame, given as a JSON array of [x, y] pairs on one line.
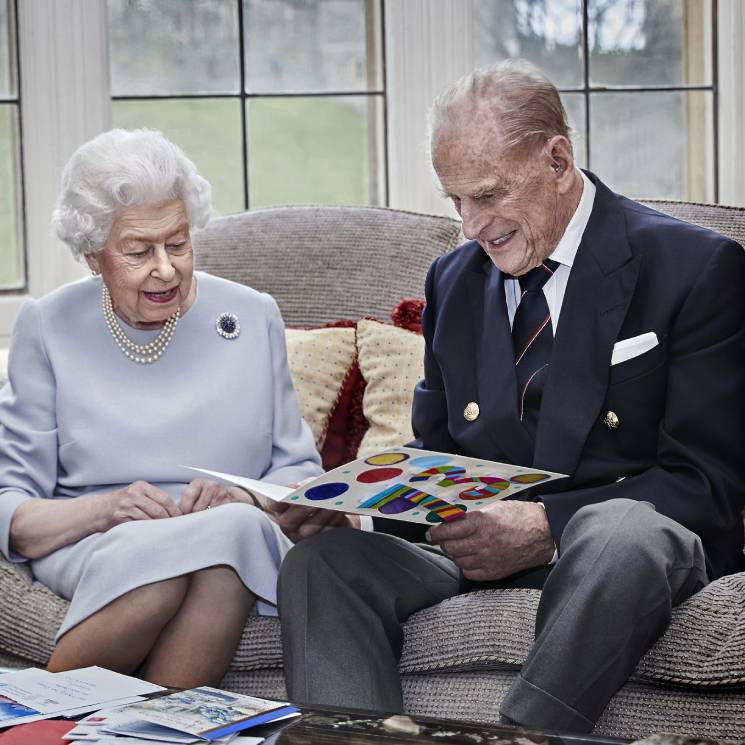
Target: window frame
[[433, 38], [65, 100], [15, 101], [374, 15]]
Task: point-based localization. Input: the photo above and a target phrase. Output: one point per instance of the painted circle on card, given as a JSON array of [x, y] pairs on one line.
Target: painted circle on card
[[373, 475], [386, 459], [427, 461], [529, 478], [486, 489], [396, 506], [326, 491]]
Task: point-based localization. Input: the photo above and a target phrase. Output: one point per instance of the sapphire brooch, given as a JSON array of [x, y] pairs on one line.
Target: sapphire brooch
[[228, 325]]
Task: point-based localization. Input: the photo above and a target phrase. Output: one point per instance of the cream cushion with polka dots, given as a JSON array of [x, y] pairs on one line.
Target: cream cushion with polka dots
[[392, 362], [319, 360]]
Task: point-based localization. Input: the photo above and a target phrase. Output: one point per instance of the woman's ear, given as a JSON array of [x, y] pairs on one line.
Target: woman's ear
[[92, 261]]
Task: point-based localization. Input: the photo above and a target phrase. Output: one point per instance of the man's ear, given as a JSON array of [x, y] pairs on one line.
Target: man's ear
[[561, 161]]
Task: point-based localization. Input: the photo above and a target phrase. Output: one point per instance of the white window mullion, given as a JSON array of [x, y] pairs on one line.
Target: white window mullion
[[428, 45], [731, 102], [63, 47]]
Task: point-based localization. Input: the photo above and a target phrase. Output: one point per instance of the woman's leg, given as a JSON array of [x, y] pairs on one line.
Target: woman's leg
[[120, 635], [197, 645]]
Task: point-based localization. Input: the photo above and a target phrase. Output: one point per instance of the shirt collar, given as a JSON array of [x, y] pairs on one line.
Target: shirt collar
[[566, 249]]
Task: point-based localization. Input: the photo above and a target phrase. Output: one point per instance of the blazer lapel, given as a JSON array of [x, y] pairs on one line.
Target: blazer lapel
[[495, 376], [600, 288]]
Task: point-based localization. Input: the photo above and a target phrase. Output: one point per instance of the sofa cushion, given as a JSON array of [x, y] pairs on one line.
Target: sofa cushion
[[408, 314], [30, 615], [704, 645], [347, 424], [391, 361], [319, 361], [322, 263]]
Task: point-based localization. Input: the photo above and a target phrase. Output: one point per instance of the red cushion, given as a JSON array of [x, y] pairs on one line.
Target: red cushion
[[408, 315], [347, 423]]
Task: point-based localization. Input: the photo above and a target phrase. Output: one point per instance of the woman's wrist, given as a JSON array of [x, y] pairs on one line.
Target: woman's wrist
[[98, 513], [246, 495]]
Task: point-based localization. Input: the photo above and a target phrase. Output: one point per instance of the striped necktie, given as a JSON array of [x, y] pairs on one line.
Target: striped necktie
[[532, 338]]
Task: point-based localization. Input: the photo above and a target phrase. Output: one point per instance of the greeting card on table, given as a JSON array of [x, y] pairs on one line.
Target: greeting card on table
[[202, 713], [420, 486]]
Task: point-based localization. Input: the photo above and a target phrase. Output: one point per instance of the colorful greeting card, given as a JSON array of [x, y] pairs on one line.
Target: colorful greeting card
[[420, 486]]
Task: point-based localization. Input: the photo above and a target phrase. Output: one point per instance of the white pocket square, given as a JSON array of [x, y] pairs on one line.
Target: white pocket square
[[627, 349]]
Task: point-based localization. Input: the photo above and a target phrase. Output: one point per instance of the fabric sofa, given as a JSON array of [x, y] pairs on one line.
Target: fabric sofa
[[325, 265]]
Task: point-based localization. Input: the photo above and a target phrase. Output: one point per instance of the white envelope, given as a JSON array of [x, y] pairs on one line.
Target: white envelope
[[627, 349]]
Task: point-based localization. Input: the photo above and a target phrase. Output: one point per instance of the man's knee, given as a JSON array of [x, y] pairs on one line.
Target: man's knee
[[605, 519], [635, 533], [319, 554]]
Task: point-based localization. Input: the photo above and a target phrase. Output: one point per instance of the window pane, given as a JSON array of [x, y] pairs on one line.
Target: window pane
[[208, 131], [173, 46], [547, 34], [325, 150], [312, 46], [649, 42], [7, 50], [665, 141], [11, 248], [574, 103]]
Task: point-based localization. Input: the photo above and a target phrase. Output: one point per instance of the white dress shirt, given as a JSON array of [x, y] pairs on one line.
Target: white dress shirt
[[564, 253]]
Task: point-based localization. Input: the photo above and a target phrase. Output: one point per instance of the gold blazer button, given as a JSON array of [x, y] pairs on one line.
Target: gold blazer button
[[471, 412], [612, 421]]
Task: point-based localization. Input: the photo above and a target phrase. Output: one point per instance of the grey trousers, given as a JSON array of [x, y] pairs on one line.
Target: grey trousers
[[344, 594]]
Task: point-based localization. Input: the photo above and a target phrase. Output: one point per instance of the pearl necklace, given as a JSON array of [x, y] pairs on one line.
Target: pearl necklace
[[144, 354]]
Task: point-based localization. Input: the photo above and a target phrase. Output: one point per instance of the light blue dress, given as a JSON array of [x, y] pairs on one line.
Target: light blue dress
[[77, 417]]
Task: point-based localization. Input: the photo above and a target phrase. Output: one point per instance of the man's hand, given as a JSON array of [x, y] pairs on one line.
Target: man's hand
[[488, 545], [298, 522]]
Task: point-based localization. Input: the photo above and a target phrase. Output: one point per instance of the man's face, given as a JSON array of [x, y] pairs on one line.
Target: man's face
[[509, 201]]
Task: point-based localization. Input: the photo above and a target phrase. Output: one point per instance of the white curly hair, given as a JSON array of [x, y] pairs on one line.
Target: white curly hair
[[120, 169]]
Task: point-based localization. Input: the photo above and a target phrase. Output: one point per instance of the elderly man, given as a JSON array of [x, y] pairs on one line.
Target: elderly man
[[577, 331]]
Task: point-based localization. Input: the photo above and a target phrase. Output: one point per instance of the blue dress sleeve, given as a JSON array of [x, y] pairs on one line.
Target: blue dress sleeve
[[294, 454], [28, 423]]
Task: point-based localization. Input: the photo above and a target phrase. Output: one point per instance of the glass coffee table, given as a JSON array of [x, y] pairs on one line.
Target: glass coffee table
[[327, 726]]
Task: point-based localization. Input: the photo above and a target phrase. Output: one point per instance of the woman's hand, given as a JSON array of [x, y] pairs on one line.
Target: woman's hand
[[137, 501], [201, 494]]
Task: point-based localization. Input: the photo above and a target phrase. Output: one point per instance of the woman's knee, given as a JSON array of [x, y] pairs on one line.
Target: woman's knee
[[163, 597], [216, 579]]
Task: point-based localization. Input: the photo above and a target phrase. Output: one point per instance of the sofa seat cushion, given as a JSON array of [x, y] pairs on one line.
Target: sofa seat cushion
[[30, 615], [636, 710], [704, 646]]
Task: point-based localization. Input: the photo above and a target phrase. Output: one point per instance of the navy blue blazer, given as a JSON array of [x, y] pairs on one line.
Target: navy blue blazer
[[680, 443]]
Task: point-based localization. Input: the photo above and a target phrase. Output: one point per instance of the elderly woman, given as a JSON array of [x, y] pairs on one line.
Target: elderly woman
[[116, 383]]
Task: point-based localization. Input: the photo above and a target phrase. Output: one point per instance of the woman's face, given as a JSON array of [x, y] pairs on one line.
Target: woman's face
[[148, 263]]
